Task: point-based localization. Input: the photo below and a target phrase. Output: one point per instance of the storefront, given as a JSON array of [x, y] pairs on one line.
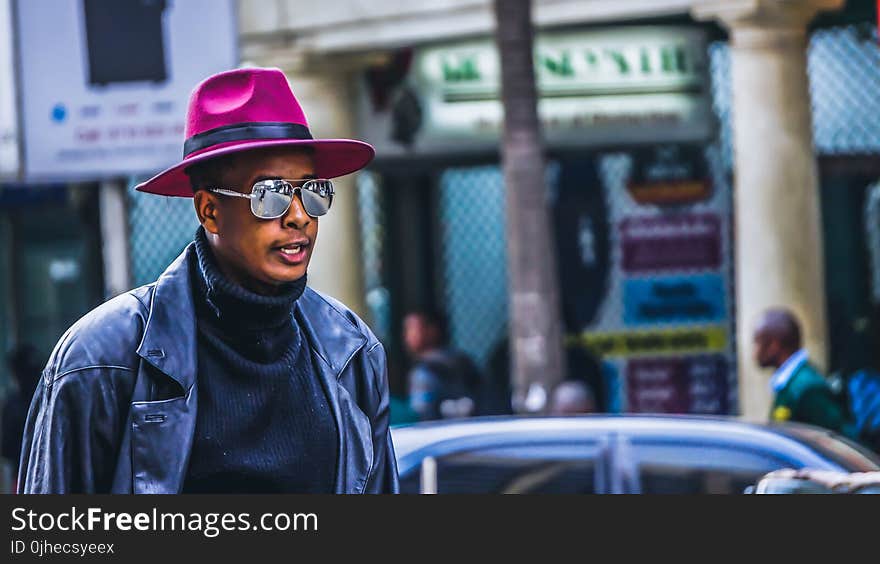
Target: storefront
[[642, 204], [639, 195]]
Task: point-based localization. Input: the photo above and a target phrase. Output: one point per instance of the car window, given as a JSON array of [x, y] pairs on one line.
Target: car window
[[560, 468], [670, 468]]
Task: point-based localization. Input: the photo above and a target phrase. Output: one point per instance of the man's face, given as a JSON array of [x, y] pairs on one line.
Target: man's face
[[765, 350], [414, 333], [260, 253], [419, 334]]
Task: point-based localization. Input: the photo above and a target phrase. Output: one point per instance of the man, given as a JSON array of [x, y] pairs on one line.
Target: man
[[800, 392], [443, 382], [228, 374]]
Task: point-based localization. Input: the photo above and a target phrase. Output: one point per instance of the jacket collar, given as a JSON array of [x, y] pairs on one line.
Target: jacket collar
[[333, 337], [788, 368], [169, 342]]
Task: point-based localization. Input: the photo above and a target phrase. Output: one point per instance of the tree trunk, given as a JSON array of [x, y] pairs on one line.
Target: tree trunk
[[535, 325]]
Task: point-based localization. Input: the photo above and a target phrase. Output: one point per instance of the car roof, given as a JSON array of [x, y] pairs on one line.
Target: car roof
[[808, 445]]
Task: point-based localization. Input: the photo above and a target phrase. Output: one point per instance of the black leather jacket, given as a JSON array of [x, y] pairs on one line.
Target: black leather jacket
[[116, 409]]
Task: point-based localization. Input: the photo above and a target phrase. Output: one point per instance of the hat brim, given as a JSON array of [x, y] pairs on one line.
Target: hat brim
[[333, 158]]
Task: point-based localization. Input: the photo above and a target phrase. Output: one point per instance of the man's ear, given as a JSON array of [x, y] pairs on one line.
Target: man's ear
[[207, 210]]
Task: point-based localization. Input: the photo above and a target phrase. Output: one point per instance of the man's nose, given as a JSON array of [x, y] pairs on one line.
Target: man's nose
[[296, 216]]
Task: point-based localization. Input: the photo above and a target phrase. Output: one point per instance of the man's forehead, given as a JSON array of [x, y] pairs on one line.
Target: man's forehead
[[298, 156], [764, 328], [288, 163]]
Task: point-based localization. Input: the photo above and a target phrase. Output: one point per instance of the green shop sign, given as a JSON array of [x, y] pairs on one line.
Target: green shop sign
[[614, 86]]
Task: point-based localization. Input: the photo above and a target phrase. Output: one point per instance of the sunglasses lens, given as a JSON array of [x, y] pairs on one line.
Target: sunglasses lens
[[317, 195], [271, 199]]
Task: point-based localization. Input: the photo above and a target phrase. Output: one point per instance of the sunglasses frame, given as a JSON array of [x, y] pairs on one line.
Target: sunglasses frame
[[306, 182]]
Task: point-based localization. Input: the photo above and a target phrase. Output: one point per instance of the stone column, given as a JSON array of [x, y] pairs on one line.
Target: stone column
[[779, 256]]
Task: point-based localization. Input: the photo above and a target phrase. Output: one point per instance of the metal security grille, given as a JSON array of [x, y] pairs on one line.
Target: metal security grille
[[372, 223], [844, 72], [843, 66], [722, 103], [159, 229], [474, 264]]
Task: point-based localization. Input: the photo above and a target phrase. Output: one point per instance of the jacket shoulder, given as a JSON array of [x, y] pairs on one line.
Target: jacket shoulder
[[315, 300], [106, 337], [807, 378]]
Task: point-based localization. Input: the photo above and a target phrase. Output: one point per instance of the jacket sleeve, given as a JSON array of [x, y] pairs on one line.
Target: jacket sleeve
[[71, 434], [383, 477]]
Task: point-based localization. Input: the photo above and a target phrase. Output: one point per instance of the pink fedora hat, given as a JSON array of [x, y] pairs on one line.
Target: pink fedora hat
[[247, 109]]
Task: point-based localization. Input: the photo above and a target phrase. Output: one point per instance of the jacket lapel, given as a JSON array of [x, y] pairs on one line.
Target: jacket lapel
[[334, 342], [169, 342], [162, 431]]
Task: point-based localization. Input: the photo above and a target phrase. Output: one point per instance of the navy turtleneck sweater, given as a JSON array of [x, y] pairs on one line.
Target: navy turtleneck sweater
[[263, 422]]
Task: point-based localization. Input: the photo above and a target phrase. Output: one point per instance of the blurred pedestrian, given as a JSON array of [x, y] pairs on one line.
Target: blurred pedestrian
[[443, 382], [572, 397], [228, 374], [24, 363], [801, 393]]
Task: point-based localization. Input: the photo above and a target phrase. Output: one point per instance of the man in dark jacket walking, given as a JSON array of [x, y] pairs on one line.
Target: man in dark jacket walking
[[228, 374]]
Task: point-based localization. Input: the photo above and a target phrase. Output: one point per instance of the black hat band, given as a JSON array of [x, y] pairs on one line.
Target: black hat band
[[244, 132]]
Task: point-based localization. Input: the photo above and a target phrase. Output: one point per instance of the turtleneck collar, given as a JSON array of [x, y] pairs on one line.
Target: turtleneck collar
[[235, 307], [245, 326]]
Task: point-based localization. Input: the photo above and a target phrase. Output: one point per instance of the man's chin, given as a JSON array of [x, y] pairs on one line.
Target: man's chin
[[286, 276]]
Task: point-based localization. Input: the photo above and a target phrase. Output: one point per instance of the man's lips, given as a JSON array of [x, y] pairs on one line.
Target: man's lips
[[293, 252]]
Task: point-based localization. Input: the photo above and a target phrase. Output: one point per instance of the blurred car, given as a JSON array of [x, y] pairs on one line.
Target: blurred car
[[809, 481], [612, 454]]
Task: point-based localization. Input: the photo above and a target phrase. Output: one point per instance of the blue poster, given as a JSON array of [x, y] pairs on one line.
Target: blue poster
[[674, 299]]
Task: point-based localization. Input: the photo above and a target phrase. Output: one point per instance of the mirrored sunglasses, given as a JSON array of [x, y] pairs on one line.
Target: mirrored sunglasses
[[270, 199]]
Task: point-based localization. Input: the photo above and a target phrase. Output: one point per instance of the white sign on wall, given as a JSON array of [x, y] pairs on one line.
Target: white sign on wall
[[104, 84]]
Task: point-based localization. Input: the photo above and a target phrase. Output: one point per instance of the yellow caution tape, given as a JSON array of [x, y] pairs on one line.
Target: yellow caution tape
[[663, 341]]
